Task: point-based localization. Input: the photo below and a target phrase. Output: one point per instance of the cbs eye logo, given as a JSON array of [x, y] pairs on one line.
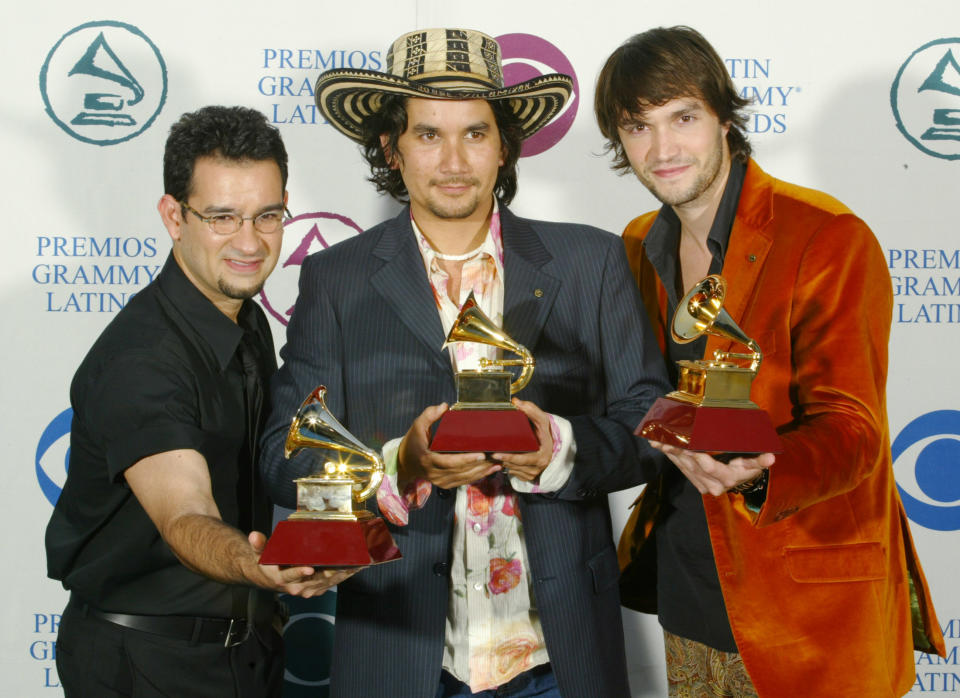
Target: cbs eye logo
[[926, 457]]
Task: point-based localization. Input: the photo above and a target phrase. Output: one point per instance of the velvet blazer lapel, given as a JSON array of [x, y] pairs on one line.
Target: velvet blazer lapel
[[750, 242]]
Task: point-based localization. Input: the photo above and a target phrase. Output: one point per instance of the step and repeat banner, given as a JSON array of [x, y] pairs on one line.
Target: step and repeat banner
[[859, 103]]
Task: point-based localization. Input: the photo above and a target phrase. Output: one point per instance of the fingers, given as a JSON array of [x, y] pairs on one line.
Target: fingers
[[450, 470], [528, 466], [711, 476]]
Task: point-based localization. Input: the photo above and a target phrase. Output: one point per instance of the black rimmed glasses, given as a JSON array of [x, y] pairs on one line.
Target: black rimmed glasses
[[227, 223]]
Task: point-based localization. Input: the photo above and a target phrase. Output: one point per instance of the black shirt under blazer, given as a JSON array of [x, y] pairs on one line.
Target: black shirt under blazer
[[366, 326]]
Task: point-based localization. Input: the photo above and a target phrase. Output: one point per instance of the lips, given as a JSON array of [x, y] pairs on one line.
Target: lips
[[670, 172], [244, 266], [455, 186]]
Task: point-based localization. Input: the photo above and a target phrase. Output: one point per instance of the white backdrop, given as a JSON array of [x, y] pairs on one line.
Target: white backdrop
[[852, 99]]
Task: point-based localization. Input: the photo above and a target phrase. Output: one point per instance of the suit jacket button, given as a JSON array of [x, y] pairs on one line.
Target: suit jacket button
[[440, 569], [442, 493]]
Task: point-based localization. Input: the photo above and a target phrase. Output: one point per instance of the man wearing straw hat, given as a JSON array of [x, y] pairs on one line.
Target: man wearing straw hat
[[507, 584]]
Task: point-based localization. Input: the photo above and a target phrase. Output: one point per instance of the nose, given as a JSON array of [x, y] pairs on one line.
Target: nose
[[247, 239], [453, 158], [663, 145]]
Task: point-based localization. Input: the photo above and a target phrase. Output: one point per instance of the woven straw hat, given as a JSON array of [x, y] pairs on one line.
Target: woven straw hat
[[439, 64]]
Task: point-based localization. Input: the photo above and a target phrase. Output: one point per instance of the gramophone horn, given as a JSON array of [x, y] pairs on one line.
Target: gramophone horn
[[473, 325], [314, 426], [701, 312]]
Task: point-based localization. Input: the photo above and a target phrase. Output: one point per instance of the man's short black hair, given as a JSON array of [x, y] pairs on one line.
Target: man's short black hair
[[231, 133], [391, 120]]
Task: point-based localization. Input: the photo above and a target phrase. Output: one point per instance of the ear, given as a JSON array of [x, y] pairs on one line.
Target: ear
[[503, 156], [392, 160], [172, 216], [286, 196]]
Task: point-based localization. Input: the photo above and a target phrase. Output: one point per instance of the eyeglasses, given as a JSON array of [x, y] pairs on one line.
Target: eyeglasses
[[267, 223]]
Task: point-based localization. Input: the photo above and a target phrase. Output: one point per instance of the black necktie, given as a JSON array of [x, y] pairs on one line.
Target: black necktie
[[254, 507]]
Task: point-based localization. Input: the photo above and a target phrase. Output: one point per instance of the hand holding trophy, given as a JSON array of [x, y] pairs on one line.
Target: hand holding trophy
[[711, 409], [326, 530], [483, 418]]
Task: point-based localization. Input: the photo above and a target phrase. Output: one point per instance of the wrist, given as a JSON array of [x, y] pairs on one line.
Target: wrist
[[754, 486]]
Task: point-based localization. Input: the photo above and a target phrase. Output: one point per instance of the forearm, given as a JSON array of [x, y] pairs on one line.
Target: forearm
[[210, 547]]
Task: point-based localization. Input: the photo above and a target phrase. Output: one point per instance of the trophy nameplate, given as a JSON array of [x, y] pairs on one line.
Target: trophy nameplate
[[483, 419], [711, 409], [327, 530]]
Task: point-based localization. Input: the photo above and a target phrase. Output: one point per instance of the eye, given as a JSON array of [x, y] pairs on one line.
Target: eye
[[270, 217], [224, 219]]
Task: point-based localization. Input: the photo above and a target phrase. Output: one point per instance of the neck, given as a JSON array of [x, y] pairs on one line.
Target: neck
[[454, 236], [226, 305], [696, 217]]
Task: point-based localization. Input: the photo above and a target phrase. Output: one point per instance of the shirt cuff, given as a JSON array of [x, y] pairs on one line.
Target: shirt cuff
[[558, 471], [394, 505]]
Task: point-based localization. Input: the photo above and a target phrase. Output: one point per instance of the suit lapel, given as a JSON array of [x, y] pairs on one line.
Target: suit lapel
[[750, 242], [402, 282], [529, 292]]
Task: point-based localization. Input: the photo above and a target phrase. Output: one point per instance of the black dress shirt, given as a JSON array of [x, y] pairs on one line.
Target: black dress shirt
[[165, 374], [689, 600]]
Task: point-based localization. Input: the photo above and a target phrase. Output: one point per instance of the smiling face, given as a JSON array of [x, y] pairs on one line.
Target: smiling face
[[449, 156], [226, 268], [679, 151]]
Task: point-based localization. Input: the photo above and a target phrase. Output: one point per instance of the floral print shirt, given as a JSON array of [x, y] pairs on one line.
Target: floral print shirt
[[493, 631]]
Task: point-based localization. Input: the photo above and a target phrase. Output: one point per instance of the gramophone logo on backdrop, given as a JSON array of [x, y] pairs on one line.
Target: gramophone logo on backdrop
[[525, 57], [104, 82], [302, 235], [925, 98], [926, 461]]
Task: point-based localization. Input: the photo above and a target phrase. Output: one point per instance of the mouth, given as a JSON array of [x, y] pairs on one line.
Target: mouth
[[455, 186], [670, 172], [244, 266]]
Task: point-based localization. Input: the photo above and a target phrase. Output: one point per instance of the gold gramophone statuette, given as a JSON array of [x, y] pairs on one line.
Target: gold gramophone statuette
[[327, 530], [483, 418], [711, 409]]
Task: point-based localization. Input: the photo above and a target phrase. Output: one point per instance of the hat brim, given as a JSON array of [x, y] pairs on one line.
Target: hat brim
[[346, 97]]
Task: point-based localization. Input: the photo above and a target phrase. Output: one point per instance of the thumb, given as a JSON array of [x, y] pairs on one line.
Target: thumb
[[433, 413], [258, 541]]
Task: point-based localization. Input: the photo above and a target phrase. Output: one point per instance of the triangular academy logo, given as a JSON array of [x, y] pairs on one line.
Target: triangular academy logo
[[104, 82], [925, 98]]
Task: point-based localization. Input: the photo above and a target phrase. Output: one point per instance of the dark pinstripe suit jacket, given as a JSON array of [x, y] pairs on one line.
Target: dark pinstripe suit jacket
[[366, 326]]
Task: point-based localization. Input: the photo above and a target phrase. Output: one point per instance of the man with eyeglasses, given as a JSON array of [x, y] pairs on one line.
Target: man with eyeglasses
[[157, 532]]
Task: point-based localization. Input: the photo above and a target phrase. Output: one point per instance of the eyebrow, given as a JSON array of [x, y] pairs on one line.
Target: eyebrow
[[427, 128], [213, 209]]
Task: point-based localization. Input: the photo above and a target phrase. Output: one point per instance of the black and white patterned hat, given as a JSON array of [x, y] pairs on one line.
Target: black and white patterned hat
[[439, 64]]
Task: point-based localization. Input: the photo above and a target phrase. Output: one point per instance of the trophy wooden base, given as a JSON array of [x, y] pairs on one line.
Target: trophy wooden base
[[487, 431], [325, 543], [717, 429]]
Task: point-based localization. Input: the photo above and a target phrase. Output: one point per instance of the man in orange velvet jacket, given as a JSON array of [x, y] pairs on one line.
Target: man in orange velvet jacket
[[787, 574]]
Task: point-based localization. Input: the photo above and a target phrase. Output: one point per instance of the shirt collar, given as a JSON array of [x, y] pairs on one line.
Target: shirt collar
[[663, 240], [492, 242], [206, 321]]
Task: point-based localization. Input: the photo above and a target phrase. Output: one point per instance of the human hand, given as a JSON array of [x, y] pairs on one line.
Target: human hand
[[296, 580], [447, 470], [711, 476], [528, 466]]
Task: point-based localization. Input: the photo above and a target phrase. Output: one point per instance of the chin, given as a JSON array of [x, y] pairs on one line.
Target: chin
[[240, 293]]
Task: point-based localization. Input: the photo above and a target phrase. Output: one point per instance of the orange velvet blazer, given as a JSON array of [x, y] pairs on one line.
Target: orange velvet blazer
[[818, 584]]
